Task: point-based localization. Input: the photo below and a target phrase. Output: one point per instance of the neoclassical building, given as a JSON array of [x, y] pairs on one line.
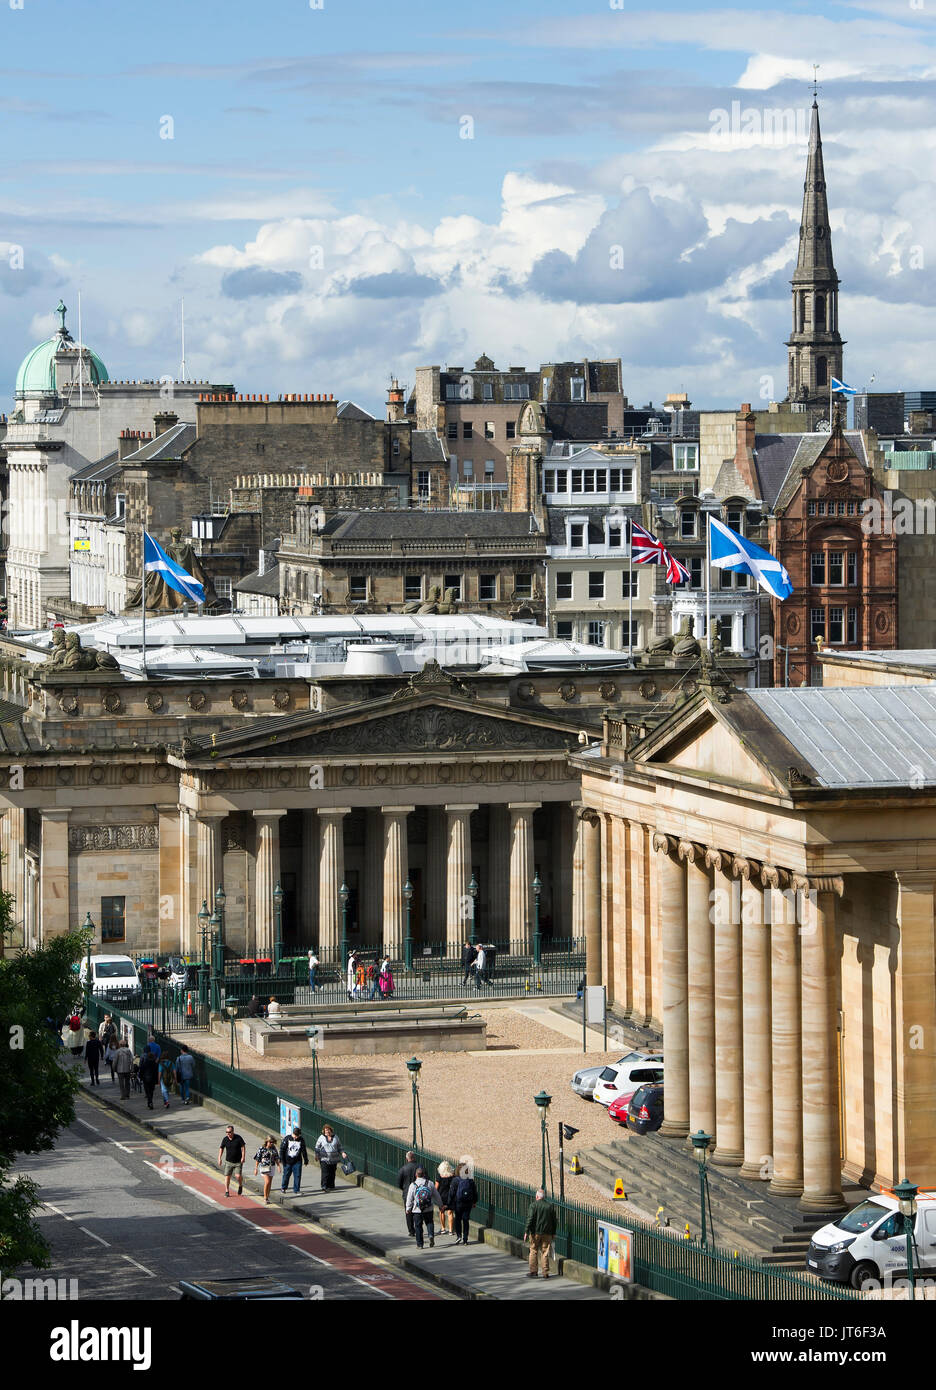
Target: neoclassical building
[[758, 874]]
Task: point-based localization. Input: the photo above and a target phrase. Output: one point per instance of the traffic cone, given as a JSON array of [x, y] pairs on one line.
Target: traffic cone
[[576, 1165], [619, 1188]]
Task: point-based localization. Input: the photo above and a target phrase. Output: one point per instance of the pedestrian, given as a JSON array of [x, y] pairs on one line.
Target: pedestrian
[[149, 1074], [254, 1008], [76, 1042], [360, 979], [123, 1065], [373, 979], [313, 966], [386, 978], [107, 1031], [273, 1008], [92, 1052], [540, 1230], [444, 1187], [231, 1153], [420, 1200], [293, 1154], [185, 1070], [328, 1149], [463, 1195], [266, 1162], [166, 1077], [110, 1056], [404, 1181], [153, 1045], [480, 959], [467, 959]]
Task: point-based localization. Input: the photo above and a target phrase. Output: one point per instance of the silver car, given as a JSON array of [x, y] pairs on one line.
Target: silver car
[[583, 1082]]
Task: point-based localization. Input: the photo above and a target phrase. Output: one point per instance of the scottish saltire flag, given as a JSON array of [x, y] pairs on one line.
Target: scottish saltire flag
[[156, 561], [842, 386], [729, 551], [646, 549]]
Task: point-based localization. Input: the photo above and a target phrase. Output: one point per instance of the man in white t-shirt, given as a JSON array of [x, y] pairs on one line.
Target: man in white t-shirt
[[313, 966]]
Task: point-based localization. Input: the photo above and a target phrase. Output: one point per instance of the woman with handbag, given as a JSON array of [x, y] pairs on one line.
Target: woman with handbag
[[266, 1162], [328, 1151]]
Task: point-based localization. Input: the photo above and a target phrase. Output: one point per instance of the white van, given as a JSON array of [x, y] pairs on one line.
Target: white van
[[868, 1242], [113, 978]]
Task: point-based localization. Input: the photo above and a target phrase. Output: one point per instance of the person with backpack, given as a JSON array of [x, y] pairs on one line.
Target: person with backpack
[[166, 1078], [75, 1027], [373, 979], [123, 1065], [463, 1195], [92, 1052], [149, 1074], [293, 1154], [185, 1070], [405, 1178], [328, 1151], [540, 1231], [266, 1162], [420, 1200]]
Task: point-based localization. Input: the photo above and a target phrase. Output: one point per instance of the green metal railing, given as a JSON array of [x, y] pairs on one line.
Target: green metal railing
[[663, 1262]]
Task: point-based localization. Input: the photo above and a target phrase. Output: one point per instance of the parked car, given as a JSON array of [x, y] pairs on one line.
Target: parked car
[[645, 1111], [583, 1082], [869, 1242], [624, 1080], [618, 1109], [113, 978]]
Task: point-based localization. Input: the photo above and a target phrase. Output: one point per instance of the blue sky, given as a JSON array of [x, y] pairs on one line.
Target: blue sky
[[328, 222]]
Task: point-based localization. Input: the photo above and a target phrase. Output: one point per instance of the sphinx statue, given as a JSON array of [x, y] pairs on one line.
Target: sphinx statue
[[432, 602], [449, 603], [67, 654], [680, 643]]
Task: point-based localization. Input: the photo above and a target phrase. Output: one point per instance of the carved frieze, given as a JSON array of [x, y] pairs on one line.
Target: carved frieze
[[431, 730], [110, 837]]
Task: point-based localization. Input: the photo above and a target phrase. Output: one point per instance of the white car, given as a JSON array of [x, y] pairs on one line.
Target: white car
[[114, 978], [584, 1081], [614, 1082]]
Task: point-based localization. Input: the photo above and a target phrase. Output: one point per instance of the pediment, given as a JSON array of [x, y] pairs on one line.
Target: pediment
[[715, 751]]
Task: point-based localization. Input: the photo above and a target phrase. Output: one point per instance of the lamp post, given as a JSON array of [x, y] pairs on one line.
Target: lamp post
[[204, 922], [906, 1194], [278, 896], [537, 935], [700, 1142], [542, 1103], [414, 1066], [473, 894], [408, 948], [88, 926], [220, 900], [232, 1013], [343, 896], [217, 960]]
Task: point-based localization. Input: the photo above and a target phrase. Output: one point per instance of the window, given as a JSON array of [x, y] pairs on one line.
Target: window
[[851, 508], [687, 524], [822, 372], [816, 623], [817, 567], [596, 584], [819, 315], [489, 468], [564, 630], [113, 919], [487, 391], [685, 457], [734, 517], [629, 582], [630, 633], [454, 582], [836, 567], [453, 429], [523, 585], [577, 534], [489, 429], [223, 586], [357, 586], [836, 625], [726, 580], [516, 391], [810, 509], [578, 388], [487, 588], [412, 588], [396, 444], [615, 534], [511, 429], [841, 508], [422, 485], [120, 502], [563, 584], [452, 391], [468, 469], [852, 568], [723, 628], [853, 626], [695, 572], [467, 429], [583, 479], [620, 480], [547, 385], [556, 480], [596, 633]]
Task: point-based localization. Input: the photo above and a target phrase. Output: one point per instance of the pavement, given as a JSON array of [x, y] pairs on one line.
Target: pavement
[[357, 1217]]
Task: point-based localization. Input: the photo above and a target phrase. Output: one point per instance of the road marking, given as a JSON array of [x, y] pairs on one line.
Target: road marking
[[308, 1254], [87, 1125], [94, 1237], [138, 1265], [58, 1211], [175, 1288]]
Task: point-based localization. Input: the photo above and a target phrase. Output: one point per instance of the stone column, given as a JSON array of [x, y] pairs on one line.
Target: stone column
[[54, 916], [786, 1060], [14, 866], [701, 989], [588, 889], [672, 900], [496, 925], [458, 873], [916, 1028], [521, 872], [331, 876], [266, 878], [822, 1159], [395, 874], [737, 631], [30, 895], [435, 874], [210, 856], [755, 976], [729, 1094], [373, 896], [170, 901], [310, 865], [564, 853]]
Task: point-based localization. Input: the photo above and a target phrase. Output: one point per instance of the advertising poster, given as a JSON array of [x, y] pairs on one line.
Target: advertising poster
[[614, 1251], [289, 1117]]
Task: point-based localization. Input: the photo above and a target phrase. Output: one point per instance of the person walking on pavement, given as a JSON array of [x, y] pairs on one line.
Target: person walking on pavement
[[479, 962], [293, 1154], [166, 1075], [539, 1231], [404, 1182], [110, 1056], [463, 1195], [107, 1031], [149, 1074], [467, 959], [92, 1052], [123, 1065], [153, 1045], [444, 1188], [76, 1042], [266, 1162], [385, 978], [329, 1151], [352, 975], [231, 1153], [313, 966], [373, 979], [185, 1070], [420, 1200]]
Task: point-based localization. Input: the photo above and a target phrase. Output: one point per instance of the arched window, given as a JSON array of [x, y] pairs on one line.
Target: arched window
[[819, 312], [822, 372]]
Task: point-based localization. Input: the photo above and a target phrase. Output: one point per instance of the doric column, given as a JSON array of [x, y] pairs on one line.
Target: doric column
[[331, 875], [588, 884], [786, 1061], [755, 976], [672, 907], [14, 869], [563, 856], [737, 631], [54, 873], [458, 873], [170, 899], [210, 856], [822, 1159], [521, 872], [701, 981], [435, 875], [373, 896], [395, 874], [729, 1094], [497, 922], [188, 882], [310, 870], [916, 1028], [267, 872]]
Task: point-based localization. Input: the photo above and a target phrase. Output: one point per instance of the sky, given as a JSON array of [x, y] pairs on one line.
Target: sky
[[345, 190]]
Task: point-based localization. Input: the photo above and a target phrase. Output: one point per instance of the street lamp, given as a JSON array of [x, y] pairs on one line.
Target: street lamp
[[408, 950], [413, 1066], [278, 896], [220, 900], [343, 896], [700, 1142], [537, 935], [88, 926], [204, 922], [542, 1103], [473, 894], [906, 1194], [232, 1013]]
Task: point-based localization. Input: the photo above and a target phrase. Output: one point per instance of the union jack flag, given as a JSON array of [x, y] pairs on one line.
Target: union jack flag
[[647, 550]]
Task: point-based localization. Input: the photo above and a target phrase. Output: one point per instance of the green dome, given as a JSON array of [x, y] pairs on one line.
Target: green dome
[[37, 369]]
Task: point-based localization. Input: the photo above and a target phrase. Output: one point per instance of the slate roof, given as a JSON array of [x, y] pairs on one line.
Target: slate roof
[[427, 447], [347, 410], [429, 526], [257, 583], [778, 484], [97, 472], [556, 522], [169, 445]]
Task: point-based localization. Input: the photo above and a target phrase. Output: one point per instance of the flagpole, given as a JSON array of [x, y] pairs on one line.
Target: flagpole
[[708, 580], [630, 590], [143, 603]]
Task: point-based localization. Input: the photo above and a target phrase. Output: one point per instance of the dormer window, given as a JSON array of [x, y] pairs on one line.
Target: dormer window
[[578, 388], [687, 524]]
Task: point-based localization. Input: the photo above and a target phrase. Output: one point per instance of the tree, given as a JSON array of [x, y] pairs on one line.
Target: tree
[[38, 991]]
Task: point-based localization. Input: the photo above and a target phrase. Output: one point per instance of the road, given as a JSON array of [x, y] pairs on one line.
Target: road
[[128, 1215]]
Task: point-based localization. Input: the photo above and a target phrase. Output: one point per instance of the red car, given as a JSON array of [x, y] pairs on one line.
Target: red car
[[618, 1108]]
